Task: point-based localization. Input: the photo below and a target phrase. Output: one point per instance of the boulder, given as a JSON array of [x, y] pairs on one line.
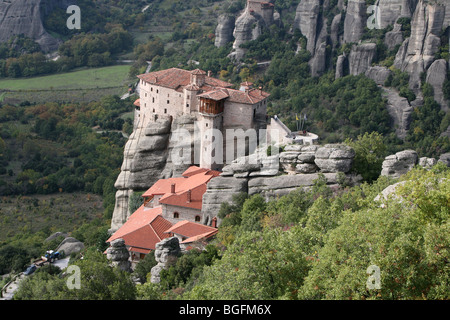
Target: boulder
[[334, 158], [55, 236], [427, 162], [400, 163], [70, 245], [445, 159]]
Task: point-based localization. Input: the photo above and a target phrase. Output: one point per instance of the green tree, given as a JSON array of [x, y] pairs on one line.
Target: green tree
[[370, 152]]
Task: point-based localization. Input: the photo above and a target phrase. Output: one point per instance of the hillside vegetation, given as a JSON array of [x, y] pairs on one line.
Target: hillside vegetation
[[306, 245]]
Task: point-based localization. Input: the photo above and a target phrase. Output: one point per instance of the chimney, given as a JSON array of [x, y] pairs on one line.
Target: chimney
[[172, 188], [189, 196], [214, 222], [209, 73]]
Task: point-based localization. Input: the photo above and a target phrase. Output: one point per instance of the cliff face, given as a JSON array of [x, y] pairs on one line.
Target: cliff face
[[417, 52], [147, 158], [25, 17]]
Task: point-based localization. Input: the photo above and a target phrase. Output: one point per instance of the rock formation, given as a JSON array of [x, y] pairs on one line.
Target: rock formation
[[436, 76], [400, 111], [166, 254], [25, 17], [257, 16], [417, 52], [224, 30], [70, 245], [361, 57], [378, 74], [147, 158], [400, 163], [119, 255], [391, 10], [394, 37], [355, 20], [277, 175]]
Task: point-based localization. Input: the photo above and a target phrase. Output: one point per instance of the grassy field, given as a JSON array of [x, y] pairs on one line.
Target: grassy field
[[77, 86], [113, 76]]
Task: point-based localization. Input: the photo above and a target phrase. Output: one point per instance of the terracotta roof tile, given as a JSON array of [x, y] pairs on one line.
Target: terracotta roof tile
[[143, 229], [175, 78], [190, 229]]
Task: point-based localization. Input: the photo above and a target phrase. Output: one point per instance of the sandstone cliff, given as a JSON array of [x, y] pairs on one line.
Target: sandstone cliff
[[147, 158], [25, 17]]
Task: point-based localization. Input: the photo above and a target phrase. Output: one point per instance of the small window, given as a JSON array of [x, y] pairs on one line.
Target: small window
[[168, 102], [206, 124], [151, 89], [146, 94], [197, 218], [153, 110], [165, 110], [187, 105], [176, 215], [153, 100], [157, 91]]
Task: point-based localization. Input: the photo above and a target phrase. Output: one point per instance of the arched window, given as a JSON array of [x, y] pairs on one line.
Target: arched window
[[176, 215], [197, 218]]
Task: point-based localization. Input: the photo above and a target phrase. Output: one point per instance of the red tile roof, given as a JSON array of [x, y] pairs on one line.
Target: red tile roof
[[251, 96], [192, 231], [194, 180], [143, 229], [137, 103], [177, 79]]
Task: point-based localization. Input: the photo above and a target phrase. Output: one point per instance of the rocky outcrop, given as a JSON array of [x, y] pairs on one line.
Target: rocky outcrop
[[445, 159], [417, 52], [224, 30], [361, 57], [310, 21], [70, 245], [355, 20], [119, 255], [147, 158], [400, 111], [334, 158], [394, 38], [378, 74], [220, 189], [250, 25], [400, 163], [166, 254], [436, 76], [298, 166], [391, 10], [26, 17]]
